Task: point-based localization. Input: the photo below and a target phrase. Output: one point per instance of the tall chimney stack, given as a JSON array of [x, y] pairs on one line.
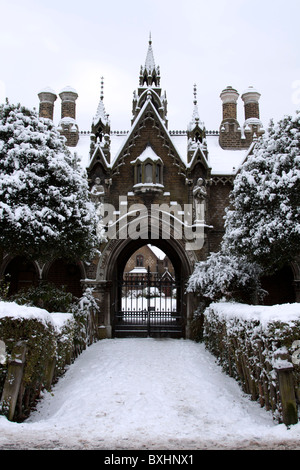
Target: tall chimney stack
[[47, 98], [251, 99], [67, 125], [229, 98]]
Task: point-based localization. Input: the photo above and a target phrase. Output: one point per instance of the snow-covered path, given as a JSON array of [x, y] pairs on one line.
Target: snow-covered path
[[147, 394]]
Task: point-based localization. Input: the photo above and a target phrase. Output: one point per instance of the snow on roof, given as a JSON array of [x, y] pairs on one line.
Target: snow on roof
[[138, 270], [222, 162], [157, 251], [147, 154], [83, 149]]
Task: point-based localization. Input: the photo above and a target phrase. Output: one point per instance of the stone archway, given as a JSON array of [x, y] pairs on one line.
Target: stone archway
[[66, 274], [280, 286], [22, 273], [110, 273]]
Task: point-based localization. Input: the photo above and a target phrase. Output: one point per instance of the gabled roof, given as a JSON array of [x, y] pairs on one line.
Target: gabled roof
[[147, 154], [198, 155], [148, 105], [98, 151]]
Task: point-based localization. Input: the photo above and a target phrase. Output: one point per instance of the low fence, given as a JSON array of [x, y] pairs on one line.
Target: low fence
[[259, 346], [35, 348]]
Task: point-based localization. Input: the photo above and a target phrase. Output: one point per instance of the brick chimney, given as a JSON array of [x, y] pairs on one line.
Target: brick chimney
[[251, 99], [67, 125], [47, 98], [252, 123], [229, 98], [230, 131]]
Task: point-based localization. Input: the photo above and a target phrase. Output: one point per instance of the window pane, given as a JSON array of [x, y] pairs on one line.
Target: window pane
[[148, 173], [139, 173], [140, 261], [158, 179]]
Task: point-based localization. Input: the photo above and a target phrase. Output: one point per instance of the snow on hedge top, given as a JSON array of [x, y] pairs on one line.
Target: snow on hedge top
[[284, 313], [24, 312]]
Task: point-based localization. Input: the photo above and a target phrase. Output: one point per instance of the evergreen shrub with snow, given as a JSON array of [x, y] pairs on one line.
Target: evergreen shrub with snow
[[225, 276], [251, 343], [85, 312], [40, 340], [45, 211], [263, 222], [50, 346], [45, 295]]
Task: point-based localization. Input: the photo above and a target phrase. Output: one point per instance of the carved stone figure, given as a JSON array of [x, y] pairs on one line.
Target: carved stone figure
[[200, 195], [97, 192]]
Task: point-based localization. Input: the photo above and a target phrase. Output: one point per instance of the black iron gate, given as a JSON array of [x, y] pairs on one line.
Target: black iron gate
[[148, 306]]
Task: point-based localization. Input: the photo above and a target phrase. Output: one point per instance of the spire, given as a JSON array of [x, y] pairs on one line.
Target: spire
[[150, 74], [196, 133], [101, 113], [150, 63], [149, 87], [100, 135], [195, 117]]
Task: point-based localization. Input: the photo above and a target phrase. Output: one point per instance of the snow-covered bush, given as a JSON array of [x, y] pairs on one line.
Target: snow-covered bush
[[47, 296], [251, 342], [45, 209], [263, 222], [225, 276], [48, 337], [85, 313]]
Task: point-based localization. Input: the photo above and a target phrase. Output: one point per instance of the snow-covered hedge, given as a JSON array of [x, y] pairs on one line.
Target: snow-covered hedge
[[252, 343], [49, 339]]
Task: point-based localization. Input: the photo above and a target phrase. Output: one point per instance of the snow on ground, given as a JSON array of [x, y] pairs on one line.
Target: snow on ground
[[147, 394]]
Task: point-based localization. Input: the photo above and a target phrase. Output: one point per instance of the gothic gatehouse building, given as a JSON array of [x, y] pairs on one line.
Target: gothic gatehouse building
[[158, 187]]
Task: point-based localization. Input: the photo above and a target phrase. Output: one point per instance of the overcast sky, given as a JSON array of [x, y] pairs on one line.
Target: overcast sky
[[211, 43]]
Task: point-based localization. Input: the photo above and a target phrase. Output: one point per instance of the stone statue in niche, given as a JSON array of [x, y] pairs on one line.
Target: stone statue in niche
[[200, 195], [97, 192]]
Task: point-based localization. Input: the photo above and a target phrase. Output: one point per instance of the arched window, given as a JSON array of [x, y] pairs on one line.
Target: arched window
[[148, 172], [139, 261]]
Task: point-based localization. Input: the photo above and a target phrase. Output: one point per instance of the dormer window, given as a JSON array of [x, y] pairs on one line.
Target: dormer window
[[148, 172]]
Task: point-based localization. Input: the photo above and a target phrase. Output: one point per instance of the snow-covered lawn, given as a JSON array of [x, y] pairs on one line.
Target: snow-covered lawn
[[147, 394]]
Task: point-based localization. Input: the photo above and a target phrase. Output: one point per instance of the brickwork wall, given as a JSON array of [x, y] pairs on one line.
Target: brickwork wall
[[251, 110], [218, 201], [46, 110], [174, 183], [229, 111], [231, 138], [68, 109], [72, 137]]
